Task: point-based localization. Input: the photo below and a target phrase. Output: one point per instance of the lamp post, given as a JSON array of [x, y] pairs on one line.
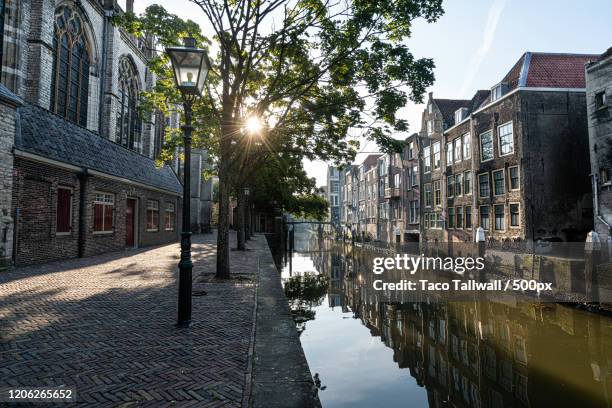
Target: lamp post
[[190, 66]]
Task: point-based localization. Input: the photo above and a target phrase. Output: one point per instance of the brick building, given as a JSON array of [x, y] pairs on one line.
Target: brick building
[[599, 109], [410, 193], [78, 173]]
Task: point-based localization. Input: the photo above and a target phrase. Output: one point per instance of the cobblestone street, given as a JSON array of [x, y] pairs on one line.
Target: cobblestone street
[[105, 325]]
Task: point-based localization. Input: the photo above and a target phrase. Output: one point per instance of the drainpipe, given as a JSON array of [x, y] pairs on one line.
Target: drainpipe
[[108, 14], [83, 176]]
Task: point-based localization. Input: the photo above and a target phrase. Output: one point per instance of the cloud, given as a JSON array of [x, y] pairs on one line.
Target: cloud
[[488, 36]]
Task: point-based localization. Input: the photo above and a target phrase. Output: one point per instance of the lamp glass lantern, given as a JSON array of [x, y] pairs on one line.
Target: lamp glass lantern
[[190, 65]]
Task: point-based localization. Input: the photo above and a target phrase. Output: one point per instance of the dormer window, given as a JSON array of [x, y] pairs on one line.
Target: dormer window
[[460, 114], [498, 91]]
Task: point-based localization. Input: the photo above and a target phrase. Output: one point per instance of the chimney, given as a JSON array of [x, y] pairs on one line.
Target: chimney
[[129, 6]]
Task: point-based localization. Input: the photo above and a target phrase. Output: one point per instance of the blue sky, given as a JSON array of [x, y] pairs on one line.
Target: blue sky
[[477, 41]]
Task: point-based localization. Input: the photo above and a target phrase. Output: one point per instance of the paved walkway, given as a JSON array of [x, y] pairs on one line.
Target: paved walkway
[[106, 325]]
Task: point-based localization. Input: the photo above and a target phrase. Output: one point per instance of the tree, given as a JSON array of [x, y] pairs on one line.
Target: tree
[[313, 71]]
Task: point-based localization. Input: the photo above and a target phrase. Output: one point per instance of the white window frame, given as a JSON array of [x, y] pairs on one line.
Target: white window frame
[[450, 153], [499, 142], [471, 182], [465, 217], [518, 168], [430, 127], [490, 133], [480, 216], [494, 218], [489, 182], [415, 174], [427, 159], [466, 141], [436, 161], [147, 208], [166, 211], [497, 92], [510, 226], [503, 180], [458, 193], [457, 144], [105, 201]]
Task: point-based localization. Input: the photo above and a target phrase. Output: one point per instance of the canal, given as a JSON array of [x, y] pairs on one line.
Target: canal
[[426, 351]]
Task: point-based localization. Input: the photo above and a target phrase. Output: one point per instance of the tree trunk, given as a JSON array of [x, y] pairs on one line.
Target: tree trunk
[[247, 222], [223, 267], [240, 233]]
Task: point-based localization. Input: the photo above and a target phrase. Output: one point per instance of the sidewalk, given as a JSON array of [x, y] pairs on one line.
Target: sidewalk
[[105, 325]]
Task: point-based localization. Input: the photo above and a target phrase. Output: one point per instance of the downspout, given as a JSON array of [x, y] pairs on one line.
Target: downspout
[[83, 176], [108, 14]]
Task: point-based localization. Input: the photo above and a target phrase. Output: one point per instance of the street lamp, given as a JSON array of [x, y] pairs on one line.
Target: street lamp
[[190, 66]]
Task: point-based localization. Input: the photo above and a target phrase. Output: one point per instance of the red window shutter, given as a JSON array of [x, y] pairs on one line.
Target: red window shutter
[[64, 202], [108, 218], [98, 221]]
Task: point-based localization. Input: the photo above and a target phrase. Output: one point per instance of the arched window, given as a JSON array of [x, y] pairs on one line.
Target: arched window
[[70, 90], [129, 125]]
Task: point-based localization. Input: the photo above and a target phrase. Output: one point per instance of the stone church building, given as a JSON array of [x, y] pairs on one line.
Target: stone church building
[[77, 161]]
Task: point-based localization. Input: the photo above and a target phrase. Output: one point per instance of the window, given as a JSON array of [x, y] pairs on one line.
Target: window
[[459, 220], [426, 220], [600, 100], [413, 175], [430, 127], [428, 198], [460, 115], [514, 178], [486, 146], [458, 183], [449, 153], [413, 212], [396, 180], [506, 139], [430, 108], [170, 217], [451, 218], [152, 215], [499, 217], [129, 125], [63, 220], [410, 150], [436, 155], [484, 217], [104, 210], [335, 186], [514, 216], [498, 182], [467, 182], [496, 92], [468, 217], [466, 146], [427, 159], [483, 185], [437, 191], [450, 183], [457, 145], [70, 76]]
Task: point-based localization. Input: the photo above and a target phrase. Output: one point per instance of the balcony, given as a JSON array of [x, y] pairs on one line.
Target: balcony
[[392, 192]]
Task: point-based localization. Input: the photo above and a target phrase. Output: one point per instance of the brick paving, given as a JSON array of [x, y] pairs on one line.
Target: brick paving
[[105, 325]]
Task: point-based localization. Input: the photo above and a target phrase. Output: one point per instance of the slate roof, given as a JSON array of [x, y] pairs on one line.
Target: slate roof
[[549, 70], [448, 107], [46, 134]]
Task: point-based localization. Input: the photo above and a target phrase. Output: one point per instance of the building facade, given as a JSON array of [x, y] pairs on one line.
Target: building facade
[[79, 175], [599, 111], [335, 179], [513, 160]]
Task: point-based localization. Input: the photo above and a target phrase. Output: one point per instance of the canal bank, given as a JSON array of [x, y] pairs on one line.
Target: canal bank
[[280, 376]]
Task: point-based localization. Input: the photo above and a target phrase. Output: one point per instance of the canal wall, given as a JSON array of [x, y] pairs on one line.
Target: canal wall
[[280, 374]]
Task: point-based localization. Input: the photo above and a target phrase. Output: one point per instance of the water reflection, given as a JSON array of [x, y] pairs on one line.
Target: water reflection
[[420, 351]]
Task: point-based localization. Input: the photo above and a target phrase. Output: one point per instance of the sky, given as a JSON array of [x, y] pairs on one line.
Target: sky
[[476, 43]]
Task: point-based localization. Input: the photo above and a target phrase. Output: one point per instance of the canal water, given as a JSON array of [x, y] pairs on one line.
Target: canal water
[[365, 351]]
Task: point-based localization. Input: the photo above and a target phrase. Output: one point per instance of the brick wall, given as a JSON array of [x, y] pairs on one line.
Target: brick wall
[[7, 140], [35, 200]]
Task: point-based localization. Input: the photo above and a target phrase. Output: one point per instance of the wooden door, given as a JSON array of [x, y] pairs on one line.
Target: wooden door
[[130, 223]]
